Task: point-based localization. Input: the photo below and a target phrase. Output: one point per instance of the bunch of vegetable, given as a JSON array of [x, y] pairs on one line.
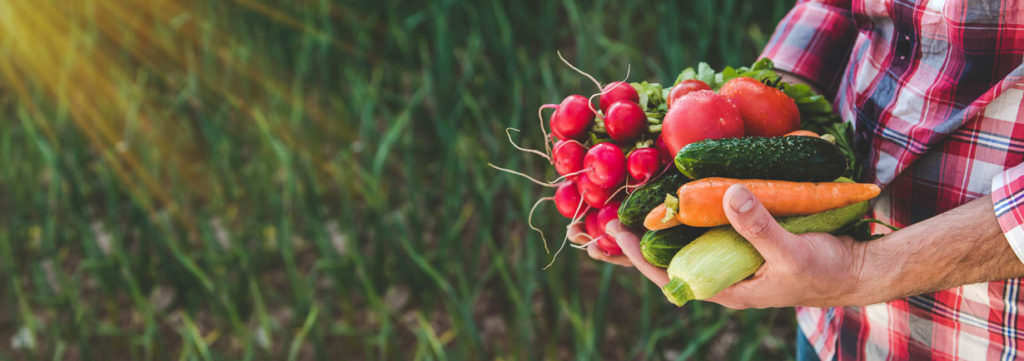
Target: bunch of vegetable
[[660, 160]]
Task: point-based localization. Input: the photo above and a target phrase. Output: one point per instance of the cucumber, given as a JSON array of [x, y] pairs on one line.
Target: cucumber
[[721, 257], [659, 246], [799, 159], [650, 195]]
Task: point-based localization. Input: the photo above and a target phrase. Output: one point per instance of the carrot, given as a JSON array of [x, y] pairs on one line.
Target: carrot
[[700, 201], [653, 221], [802, 133]]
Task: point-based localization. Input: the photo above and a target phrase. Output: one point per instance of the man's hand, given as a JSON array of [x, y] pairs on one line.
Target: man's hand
[[811, 269], [814, 269], [962, 246], [578, 236]]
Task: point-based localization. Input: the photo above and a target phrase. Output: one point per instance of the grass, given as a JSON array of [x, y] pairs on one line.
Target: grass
[[306, 179]]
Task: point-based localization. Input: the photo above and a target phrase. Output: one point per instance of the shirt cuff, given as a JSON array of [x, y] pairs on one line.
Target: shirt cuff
[[814, 41], [1008, 203]]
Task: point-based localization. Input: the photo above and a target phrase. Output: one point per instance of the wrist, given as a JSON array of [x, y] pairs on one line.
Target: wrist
[[878, 272]]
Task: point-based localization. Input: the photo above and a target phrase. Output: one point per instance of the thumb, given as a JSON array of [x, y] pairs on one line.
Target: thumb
[[751, 220]]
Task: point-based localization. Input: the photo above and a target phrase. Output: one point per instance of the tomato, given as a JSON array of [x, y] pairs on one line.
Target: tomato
[[700, 115], [686, 87], [766, 111]]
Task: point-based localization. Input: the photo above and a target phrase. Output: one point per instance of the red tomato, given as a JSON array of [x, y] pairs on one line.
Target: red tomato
[[766, 111], [700, 115], [686, 87]]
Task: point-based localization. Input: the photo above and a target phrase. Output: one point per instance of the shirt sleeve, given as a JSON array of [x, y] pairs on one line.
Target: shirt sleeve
[[1008, 203], [813, 41]]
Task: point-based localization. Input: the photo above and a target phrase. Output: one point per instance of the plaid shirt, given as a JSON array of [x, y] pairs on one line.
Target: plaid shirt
[[934, 88]]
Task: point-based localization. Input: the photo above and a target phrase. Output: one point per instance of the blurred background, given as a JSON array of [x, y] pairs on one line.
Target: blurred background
[[307, 179]]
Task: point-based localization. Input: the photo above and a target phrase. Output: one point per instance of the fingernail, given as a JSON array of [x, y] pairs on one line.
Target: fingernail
[[612, 228], [742, 201]]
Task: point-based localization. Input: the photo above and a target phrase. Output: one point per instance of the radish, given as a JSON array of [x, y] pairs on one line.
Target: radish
[[697, 116], [590, 224], [572, 118], [605, 165], [603, 216], [625, 121], [666, 156], [685, 87], [617, 91], [568, 157], [643, 164], [567, 199], [595, 196]]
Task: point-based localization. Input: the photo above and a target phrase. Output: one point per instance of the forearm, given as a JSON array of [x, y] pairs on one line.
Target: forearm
[[962, 246]]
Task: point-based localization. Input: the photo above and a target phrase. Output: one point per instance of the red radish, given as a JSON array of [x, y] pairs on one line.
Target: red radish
[[594, 195], [605, 164], [604, 215], [572, 118], [685, 87], [625, 121], [590, 224], [608, 246], [643, 164], [617, 91], [766, 111], [568, 156], [567, 199], [659, 144], [697, 116]]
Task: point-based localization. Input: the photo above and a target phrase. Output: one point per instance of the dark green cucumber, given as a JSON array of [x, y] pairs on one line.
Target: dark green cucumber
[[650, 195], [659, 246], [799, 159]]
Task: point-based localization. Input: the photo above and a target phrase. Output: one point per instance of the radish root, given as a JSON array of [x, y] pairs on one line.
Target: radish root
[[620, 189], [529, 221], [508, 131], [575, 218], [590, 241], [524, 175], [590, 101], [547, 137], [578, 70]]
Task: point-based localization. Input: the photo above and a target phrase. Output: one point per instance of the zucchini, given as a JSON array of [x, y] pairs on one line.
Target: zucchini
[[635, 208], [721, 257], [798, 159], [659, 246]]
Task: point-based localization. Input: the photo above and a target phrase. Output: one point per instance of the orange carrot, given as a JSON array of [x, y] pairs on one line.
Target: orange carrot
[[802, 133], [653, 221], [700, 201]]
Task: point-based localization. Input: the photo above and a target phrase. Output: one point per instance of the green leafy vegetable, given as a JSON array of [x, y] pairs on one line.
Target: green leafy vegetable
[[652, 98], [761, 70]]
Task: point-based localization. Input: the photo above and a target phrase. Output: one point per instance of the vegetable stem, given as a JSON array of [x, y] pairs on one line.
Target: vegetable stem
[[677, 291]]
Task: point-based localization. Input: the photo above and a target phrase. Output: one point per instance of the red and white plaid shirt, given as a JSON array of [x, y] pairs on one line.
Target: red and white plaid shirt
[[934, 89]]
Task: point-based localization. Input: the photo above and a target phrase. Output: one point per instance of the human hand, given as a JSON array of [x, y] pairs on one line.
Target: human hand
[[812, 269], [579, 236]]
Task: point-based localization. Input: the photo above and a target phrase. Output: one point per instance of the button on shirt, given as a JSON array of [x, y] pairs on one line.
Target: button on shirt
[[934, 89]]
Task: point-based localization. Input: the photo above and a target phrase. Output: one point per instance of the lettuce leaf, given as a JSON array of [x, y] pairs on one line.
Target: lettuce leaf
[[762, 70]]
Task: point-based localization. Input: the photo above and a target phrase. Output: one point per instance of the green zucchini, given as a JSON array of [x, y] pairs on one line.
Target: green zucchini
[[659, 246], [799, 159], [650, 195], [721, 257]]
